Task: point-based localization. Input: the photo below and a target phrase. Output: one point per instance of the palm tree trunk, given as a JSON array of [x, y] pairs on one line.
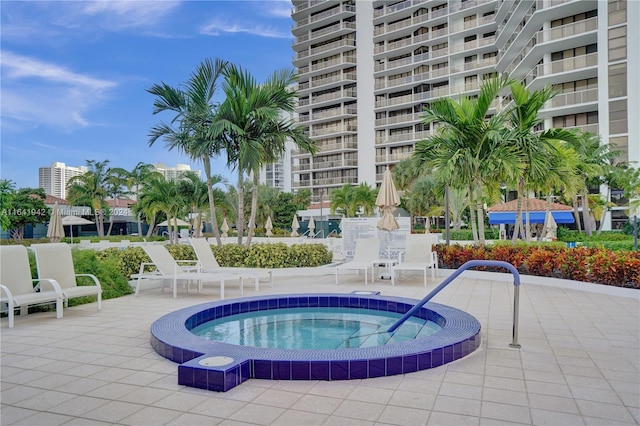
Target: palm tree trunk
[[174, 234], [140, 224], [240, 219], [139, 213], [110, 226], [472, 215], [254, 208], [576, 213], [547, 209], [480, 210], [151, 226], [588, 229], [517, 227], [212, 207], [527, 227]]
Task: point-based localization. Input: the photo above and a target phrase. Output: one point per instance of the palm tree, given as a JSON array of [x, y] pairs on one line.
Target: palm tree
[[164, 195], [136, 178], [594, 159], [116, 183], [194, 110], [467, 149], [421, 199], [534, 150], [364, 198], [251, 126], [340, 201], [89, 189], [458, 203], [194, 192]]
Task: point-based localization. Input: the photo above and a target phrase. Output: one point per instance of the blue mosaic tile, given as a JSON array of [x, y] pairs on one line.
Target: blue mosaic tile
[[339, 370], [358, 369], [200, 378], [424, 361], [320, 370], [409, 364], [394, 366], [437, 357], [281, 370], [262, 369], [377, 368], [301, 370]]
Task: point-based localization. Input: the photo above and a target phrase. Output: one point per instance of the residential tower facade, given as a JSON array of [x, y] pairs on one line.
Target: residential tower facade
[[367, 69]]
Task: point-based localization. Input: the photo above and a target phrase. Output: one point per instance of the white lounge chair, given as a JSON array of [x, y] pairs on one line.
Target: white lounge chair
[[366, 253], [418, 256], [208, 263], [17, 284], [166, 268], [54, 261]]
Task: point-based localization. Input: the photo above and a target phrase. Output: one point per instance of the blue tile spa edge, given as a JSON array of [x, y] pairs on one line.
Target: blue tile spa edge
[[218, 366]]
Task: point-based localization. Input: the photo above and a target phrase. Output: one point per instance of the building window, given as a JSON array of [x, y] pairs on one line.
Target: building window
[[617, 80], [617, 43], [618, 117], [617, 12]]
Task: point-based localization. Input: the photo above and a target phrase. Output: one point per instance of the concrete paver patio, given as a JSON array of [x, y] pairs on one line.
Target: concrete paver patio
[[579, 364]]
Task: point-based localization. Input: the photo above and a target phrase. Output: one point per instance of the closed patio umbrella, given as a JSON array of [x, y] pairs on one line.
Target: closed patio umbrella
[[55, 232], [268, 226], [387, 200], [224, 228], [312, 227], [551, 226], [295, 225]]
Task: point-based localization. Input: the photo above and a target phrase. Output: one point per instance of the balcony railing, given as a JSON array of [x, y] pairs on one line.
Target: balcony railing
[[481, 63], [411, 21], [402, 137], [401, 118], [334, 112], [569, 64], [347, 59], [472, 44], [335, 180], [574, 98], [568, 30], [333, 28], [335, 164], [335, 95], [302, 6]]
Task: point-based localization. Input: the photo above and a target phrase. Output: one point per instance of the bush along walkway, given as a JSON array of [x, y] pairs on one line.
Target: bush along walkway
[[595, 265]]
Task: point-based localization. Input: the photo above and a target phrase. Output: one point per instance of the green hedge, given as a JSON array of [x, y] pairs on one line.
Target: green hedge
[[467, 234], [261, 255], [572, 235]]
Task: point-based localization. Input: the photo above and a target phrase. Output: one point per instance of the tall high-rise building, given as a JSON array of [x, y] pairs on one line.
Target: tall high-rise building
[[172, 173], [54, 179], [367, 69]]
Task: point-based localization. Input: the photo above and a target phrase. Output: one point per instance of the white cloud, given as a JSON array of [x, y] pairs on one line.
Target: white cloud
[[278, 8], [48, 21], [219, 27], [37, 93], [119, 14]]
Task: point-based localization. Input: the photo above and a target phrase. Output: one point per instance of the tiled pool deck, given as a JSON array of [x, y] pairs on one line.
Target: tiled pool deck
[[579, 364]]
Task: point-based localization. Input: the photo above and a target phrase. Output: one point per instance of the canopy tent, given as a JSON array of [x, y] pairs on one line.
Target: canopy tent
[[509, 218], [506, 213], [180, 223]]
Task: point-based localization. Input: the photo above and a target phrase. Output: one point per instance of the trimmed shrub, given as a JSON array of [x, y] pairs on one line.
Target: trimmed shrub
[[589, 264], [113, 282]]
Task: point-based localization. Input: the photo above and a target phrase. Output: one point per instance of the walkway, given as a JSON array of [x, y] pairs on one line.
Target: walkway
[[579, 364]]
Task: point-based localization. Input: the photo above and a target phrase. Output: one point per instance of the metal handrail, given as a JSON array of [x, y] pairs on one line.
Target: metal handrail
[[470, 264]]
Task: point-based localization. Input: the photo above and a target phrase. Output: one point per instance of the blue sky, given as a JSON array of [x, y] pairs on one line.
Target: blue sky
[[74, 74]]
